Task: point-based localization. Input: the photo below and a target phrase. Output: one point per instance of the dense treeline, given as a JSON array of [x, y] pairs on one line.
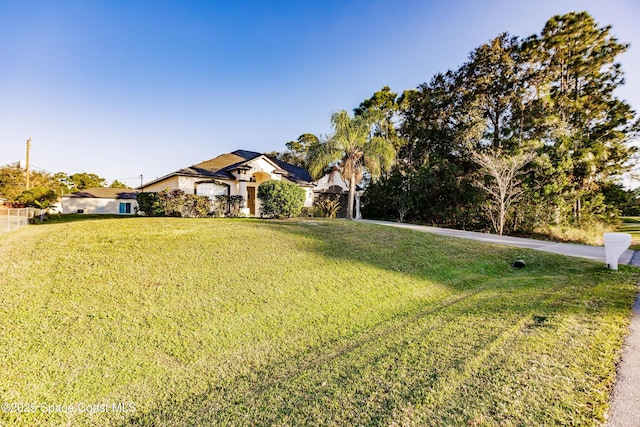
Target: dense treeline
[[527, 132]]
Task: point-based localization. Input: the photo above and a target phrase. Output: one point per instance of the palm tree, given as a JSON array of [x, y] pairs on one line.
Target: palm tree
[[353, 148]]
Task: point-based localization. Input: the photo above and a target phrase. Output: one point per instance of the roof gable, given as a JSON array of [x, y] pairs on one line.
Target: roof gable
[[221, 167], [293, 173]]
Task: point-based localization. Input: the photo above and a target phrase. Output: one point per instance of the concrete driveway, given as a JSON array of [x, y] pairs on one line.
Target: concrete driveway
[[625, 400], [596, 253]]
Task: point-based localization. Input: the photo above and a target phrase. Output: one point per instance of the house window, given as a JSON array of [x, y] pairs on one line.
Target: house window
[[211, 189], [125, 208]]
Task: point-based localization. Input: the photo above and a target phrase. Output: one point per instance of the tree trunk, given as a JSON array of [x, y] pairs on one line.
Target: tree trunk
[[352, 196], [502, 218]]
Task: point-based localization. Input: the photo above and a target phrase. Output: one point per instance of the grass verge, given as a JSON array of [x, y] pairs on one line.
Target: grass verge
[[631, 225], [592, 234], [321, 322]]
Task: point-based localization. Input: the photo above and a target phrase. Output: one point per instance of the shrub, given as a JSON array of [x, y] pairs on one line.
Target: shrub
[[221, 205], [235, 203], [308, 212], [194, 206], [228, 205], [173, 203], [280, 199], [149, 204], [328, 207]]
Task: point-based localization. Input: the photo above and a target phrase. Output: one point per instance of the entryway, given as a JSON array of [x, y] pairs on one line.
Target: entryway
[[251, 200]]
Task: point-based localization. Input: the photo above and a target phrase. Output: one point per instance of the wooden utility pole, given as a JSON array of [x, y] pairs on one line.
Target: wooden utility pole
[[27, 161]]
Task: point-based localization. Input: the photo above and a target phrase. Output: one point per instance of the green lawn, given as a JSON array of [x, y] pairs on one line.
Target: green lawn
[[317, 322], [631, 225]]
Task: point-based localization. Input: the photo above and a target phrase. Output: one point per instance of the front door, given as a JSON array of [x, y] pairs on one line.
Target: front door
[[251, 200]]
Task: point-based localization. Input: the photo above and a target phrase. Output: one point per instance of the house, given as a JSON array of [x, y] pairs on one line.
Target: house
[[241, 172], [236, 173], [100, 200], [332, 185]]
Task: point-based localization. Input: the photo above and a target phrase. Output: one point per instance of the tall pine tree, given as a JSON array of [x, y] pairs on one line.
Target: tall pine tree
[[576, 75]]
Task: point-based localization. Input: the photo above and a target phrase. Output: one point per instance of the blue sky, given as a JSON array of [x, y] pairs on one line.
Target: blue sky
[[124, 88]]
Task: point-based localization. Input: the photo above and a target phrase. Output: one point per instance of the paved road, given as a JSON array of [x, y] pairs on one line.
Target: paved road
[[625, 401]]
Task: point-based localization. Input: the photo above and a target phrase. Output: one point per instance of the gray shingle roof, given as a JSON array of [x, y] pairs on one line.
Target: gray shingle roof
[[221, 167], [103, 193]]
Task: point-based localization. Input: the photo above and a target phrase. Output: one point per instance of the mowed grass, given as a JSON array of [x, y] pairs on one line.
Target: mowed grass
[[306, 322], [631, 225]]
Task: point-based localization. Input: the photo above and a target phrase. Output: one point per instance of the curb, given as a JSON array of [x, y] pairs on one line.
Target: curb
[[625, 398]]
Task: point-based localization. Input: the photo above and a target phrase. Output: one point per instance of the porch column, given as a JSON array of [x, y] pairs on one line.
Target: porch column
[[242, 188], [358, 214], [243, 177], [244, 210]]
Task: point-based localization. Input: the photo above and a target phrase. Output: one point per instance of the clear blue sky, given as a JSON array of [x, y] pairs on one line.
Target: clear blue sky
[[126, 87]]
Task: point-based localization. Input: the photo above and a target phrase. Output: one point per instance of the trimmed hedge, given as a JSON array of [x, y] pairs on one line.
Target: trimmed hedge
[[173, 203]]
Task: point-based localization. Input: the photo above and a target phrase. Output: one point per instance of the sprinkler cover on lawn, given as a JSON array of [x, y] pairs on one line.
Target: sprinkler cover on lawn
[[519, 263]]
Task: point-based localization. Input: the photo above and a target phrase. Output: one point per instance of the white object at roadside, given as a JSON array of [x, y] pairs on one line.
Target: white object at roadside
[[614, 246]]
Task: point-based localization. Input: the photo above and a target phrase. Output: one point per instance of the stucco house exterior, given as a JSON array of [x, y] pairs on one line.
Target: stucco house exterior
[[236, 173], [100, 200], [240, 173]]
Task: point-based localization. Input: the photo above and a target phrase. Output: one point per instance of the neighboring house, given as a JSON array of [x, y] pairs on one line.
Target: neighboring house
[[101, 200], [332, 185], [237, 173]]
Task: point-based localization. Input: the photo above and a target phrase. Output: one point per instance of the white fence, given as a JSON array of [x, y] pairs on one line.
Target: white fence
[[12, 218]]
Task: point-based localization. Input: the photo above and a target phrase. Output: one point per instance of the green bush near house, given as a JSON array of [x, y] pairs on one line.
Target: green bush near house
[[279, 199], [175, 203], [227, 205], [148, 204], [308, 212], [329, 207]]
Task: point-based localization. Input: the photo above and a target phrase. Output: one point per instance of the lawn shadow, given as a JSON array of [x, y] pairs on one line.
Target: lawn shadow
[[364, 379], [444, 259]]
